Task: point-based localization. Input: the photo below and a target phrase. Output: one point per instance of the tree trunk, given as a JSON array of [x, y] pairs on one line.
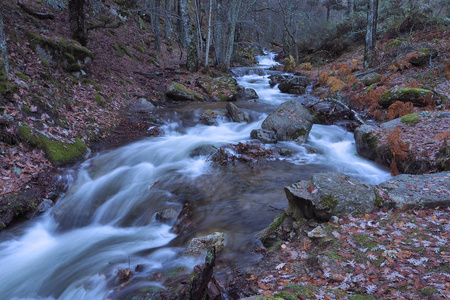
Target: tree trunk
[[208, 39], [76, 18], [219, 34], [157, 25], [371, 34], [235, 8], [3, 49], [185, 24], [168, 23]]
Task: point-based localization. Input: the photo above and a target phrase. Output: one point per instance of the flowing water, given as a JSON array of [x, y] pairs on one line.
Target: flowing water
[[106, 220]]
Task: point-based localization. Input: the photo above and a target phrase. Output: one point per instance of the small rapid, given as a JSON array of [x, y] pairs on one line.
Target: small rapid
[[107, 219]]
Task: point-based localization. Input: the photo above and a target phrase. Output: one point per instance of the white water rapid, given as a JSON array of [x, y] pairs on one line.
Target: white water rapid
[[106, 220]]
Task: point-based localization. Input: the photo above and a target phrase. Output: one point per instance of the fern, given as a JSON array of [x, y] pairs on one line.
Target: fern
[[400, 109], [399, 150]]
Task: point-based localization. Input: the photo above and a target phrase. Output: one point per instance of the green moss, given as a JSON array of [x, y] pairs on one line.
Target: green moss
[[364, 241], [44, 62], [304, 290], [329, 202], [57, 152], [277, 222], [379, 202], [23, 76], [428, 291], [96, 86], [361, 297], [69, 52], [410, 119], [395, 43], [416, 96], [223, 87], [300, 132], [372, 80], [142, 24], [192, 94], [99, 100]]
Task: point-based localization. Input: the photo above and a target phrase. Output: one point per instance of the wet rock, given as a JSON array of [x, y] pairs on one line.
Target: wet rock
[[290, 122], [366, 141], [199, 245], [327, 195], [237, 114], [209, 117], [143, 105], [246, 94], [296, 85], [179, 92], [166, 215], [265, 136], [45, 205], [203, 150], [276, 79]]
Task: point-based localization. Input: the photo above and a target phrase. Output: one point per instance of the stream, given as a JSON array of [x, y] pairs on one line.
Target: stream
[[107, 219]]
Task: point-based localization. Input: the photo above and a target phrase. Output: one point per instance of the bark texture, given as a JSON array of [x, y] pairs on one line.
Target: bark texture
[[371, 34]]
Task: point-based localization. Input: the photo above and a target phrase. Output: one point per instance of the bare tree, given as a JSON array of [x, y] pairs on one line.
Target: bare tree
[[76, 18], [208, 39], [168, 15], [3, 48], [235, 9], [371, 34]]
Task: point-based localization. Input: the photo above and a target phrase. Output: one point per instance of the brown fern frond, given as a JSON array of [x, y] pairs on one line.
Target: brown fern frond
[[394, 169], [399, 149], [411, 55], [399, 109]]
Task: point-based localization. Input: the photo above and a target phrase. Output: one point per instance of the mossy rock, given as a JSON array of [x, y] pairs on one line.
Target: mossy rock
[[58, 51], [57, 152], [371, 79], [419, 97], [396, 43], [410, 119], [423, 56], [179, 92], [224, 87], [5, 85]]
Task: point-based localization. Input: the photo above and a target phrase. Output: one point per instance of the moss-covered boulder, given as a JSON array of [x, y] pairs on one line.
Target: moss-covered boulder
[[179, 92], [223, 88], [58, 51], [370, 79], [327, 195], [422, 56], [5, 85], [421, 137], [59, 153], [419, 97]]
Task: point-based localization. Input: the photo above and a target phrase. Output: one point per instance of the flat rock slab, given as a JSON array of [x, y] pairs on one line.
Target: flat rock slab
[[417, 191]]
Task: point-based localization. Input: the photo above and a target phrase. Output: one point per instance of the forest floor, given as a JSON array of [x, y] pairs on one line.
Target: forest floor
[[357, 257]]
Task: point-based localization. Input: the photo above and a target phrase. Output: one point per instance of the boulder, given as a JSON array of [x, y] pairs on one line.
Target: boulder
[[370, 78], [237, 114], [179, 92], [45, 205], [209, 117], [426, 152], [199, 245], [296, 85], [422, 56], [276, 79], [223, 88], [265, 136], [60, 52], [419, 97], [327, 195], [416, 191], [290, 122], [167, 215], [203, 150], [246, 94]]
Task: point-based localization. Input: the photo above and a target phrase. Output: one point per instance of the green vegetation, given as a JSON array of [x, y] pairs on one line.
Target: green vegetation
[[410, 119], [329, 202], [57, 152]]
